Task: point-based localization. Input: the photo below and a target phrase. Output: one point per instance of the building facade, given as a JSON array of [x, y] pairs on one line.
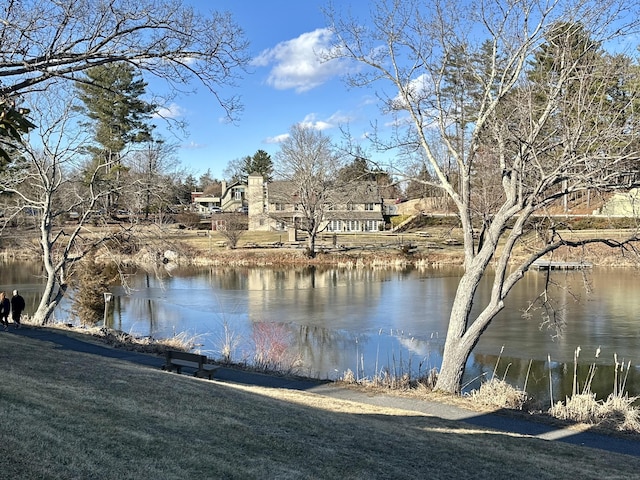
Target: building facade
[[232, 199], [274, 206]]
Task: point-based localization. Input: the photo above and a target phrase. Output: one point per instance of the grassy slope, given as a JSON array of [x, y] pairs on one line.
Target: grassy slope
[[71, 415]]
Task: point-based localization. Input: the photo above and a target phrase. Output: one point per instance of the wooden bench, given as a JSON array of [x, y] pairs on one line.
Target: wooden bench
[[177, 359]]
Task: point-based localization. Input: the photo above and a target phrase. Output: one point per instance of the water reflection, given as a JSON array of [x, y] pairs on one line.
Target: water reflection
[[369, 320]]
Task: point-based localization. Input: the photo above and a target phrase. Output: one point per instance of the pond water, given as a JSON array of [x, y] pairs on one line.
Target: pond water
[[331, 320]]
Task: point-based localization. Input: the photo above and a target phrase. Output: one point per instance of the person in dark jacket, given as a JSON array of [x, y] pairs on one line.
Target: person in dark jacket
[[17, 306], [5, 309]]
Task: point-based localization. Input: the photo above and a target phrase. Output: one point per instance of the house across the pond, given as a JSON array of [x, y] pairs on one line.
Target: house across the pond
[[274, 206], [232, 199]]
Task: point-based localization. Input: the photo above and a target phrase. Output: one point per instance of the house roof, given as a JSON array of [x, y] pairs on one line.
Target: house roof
[[282, 191], [234, 185]]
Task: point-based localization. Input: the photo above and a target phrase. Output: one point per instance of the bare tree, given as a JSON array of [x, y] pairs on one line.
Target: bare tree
[[44, 45], [235, 170], [520, 92], [150, 171], [48, 183], [308, 163], [42, 41], [232, 227]]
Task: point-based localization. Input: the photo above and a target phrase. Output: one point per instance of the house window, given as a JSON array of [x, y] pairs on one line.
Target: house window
[[238, 194], [370, 226], [353, 226], [368, 207], [335, 226], [350, 206], [279, 207]]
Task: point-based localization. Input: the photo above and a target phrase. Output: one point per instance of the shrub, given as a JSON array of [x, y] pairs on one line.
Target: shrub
[[92, 282], [188, 219], [582, 406], [498, 393], [272, 348], [616, 411]]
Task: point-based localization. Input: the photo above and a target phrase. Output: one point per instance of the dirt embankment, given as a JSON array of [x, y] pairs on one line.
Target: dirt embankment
[[431, 246], [401, 250]]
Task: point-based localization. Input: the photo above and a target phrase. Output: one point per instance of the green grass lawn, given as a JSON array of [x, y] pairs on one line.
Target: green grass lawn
[[68, 415]]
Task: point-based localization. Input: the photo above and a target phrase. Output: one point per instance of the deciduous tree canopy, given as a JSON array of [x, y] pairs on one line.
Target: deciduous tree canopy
[[43, 40], [517, 101]]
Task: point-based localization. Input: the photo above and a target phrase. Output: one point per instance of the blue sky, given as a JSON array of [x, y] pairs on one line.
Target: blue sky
[[285, 86]]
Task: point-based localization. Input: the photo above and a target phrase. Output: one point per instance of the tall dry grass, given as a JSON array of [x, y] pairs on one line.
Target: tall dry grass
[[616, 411], [397, 373], [497, 393]]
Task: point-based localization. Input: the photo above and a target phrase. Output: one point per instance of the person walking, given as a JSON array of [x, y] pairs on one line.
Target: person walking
[[5, 309], [17, 306]]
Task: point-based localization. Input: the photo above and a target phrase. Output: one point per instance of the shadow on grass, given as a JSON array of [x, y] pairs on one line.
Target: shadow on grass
[[504, 420], [501, 420]]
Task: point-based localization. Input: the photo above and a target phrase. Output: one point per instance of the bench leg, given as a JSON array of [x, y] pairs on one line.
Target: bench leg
[[170, 367]]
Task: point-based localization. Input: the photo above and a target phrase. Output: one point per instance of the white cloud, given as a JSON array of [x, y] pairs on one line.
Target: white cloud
[[340, 118], [298, 63], [418, 89], [193, 146], [172, 111], [310, 121], [277, 139], [333, 121]]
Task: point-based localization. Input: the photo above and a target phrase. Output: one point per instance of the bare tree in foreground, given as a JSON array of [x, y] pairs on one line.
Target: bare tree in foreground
[[47, 183], [44, 46], [42, 41], [523, 92]]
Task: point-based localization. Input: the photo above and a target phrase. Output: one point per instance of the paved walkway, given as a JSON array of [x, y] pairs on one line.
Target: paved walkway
[[495, 421]]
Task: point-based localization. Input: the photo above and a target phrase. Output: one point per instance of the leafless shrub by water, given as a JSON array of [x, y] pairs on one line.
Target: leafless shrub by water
[[384, 380], [273, 351], [180, 341], [397, 374], [615, 412], [124, 340], [229, 342]]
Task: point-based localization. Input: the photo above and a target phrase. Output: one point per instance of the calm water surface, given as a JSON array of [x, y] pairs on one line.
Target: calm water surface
[[371, 320]]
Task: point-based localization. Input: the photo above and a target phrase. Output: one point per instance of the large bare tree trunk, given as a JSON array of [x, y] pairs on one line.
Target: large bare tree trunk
[[51, 296], [510, 120]]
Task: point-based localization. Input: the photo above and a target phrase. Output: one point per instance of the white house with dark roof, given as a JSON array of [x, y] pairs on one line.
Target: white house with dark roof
[[355, 208]]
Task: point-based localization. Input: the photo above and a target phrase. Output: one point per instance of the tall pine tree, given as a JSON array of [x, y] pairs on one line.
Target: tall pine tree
[[260, 163], [118, 116]]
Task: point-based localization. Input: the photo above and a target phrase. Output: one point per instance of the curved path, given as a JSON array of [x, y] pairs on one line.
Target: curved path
[[496, 421]]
